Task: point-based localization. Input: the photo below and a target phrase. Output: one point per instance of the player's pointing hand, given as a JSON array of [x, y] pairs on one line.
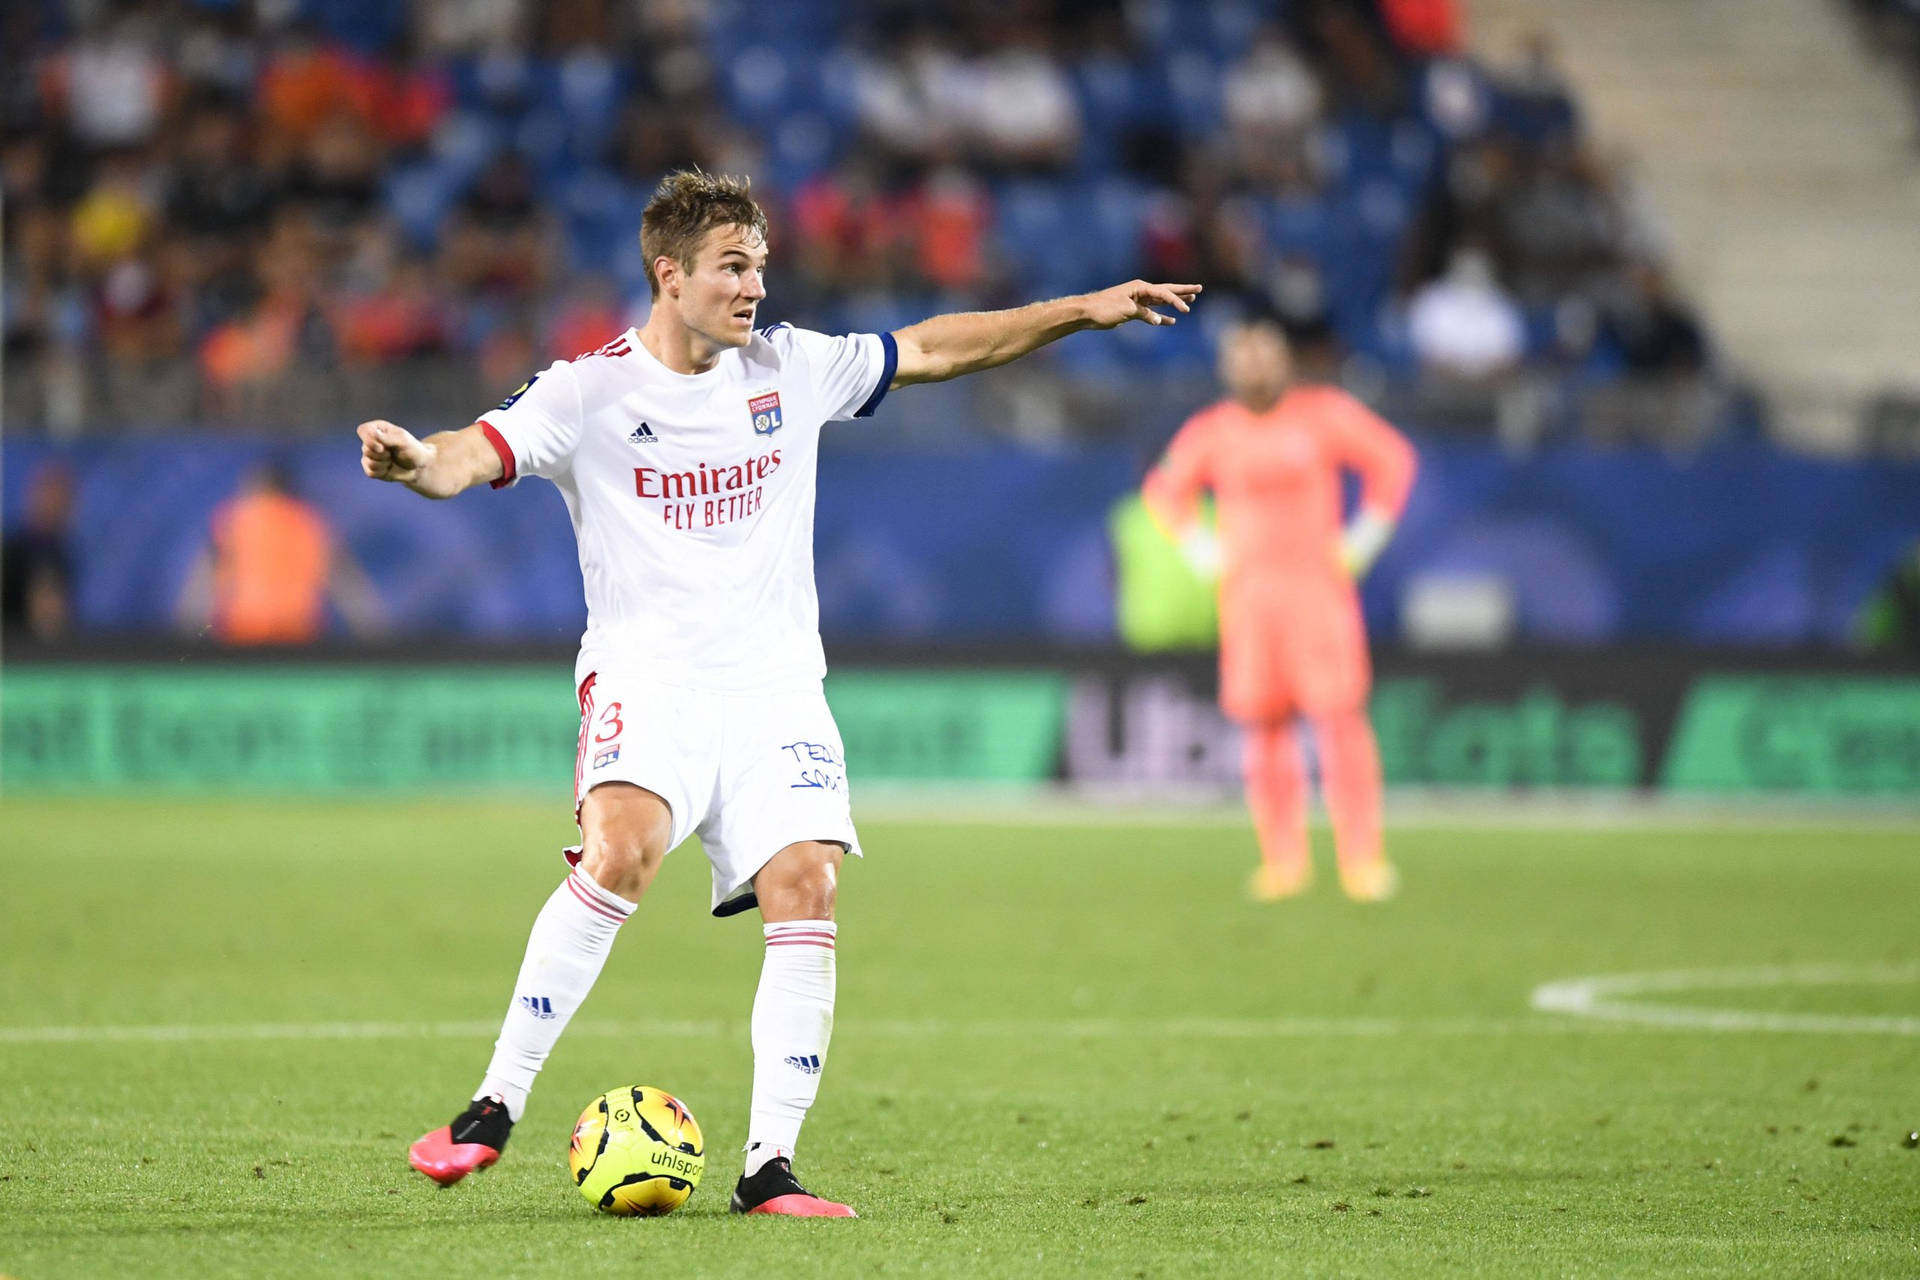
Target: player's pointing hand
[[1136, 300], [391, 453]]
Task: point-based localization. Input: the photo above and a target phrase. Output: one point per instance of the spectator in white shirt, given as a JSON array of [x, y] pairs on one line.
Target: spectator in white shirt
[[1463, 324]]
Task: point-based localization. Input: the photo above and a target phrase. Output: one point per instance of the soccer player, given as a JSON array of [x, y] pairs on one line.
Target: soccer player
[[1292, 644], [686, 453]]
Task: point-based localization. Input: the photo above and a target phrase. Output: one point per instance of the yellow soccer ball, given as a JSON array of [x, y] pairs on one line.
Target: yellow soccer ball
[[637, 1152]]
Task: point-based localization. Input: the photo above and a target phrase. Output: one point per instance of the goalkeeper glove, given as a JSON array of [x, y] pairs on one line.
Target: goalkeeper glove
[[1202, 551], [1361, 543]]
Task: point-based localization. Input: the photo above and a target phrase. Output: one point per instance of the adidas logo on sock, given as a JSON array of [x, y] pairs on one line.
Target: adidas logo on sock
[[538, 1006], [642, 434], [809, 1063]]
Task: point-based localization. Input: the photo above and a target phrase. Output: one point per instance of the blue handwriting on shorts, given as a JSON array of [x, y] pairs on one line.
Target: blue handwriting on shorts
[[811, 756]]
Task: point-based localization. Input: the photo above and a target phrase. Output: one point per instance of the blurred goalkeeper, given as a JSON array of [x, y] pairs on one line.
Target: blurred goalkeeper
[[1292, 643]]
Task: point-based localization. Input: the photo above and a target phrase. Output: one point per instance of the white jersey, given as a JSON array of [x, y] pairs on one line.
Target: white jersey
[[692, 496]]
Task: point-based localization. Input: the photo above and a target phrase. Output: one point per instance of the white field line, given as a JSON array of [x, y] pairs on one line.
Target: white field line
[[1067, 1028], [1139, 1030], [1610, 998]]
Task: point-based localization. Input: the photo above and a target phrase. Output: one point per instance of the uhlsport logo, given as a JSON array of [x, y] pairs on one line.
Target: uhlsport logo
[[765, 410], [807, 1062], [538, 1006]]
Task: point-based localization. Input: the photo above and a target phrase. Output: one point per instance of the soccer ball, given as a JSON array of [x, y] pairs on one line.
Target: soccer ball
[[637, 1151]]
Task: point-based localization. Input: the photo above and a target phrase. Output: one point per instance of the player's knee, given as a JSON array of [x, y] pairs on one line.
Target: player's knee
[[624, 837], [621, 867], [800, 883]]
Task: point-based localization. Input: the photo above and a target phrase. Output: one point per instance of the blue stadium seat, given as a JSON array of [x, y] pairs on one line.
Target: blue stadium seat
[[465, 141], [1302, 225], [419, 196], [1115, 209], [541, 136], [1036, 233], [1090, 356], [1230, 26], [500, 82], [1365, 147], [589, 92], [367, 26], [804, 145], [1193, 91], [767, 82], [599, 211]]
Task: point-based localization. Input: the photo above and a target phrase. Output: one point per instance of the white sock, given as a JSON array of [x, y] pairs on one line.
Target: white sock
[[571, 939], [792, 1022]]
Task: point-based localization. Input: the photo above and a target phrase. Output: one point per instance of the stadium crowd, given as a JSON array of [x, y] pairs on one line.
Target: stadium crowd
[[278, 212], [1892, 29]]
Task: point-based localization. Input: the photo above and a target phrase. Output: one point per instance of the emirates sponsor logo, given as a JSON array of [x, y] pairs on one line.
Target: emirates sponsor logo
[[704, 481], [708, 497]]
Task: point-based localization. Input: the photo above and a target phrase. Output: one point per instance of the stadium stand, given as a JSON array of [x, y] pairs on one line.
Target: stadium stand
[[293, 215]]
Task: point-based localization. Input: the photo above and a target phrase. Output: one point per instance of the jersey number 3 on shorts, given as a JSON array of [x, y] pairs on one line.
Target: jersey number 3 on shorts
[[607, 741]]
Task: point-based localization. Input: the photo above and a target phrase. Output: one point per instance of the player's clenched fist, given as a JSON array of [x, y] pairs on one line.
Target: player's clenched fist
[[391, 453]]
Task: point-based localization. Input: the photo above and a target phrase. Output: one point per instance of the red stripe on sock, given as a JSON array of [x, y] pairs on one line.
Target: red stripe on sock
[[792, 937], [593, 903], [824, 946]]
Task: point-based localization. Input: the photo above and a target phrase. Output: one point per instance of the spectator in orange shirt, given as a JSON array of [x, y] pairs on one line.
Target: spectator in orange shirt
[[1292, 644], [271, 568]]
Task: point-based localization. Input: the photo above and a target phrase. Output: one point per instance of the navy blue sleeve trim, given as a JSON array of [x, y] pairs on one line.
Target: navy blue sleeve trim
[[892, 363]]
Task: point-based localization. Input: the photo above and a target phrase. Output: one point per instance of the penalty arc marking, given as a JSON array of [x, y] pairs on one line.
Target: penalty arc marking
[[1616, 998]]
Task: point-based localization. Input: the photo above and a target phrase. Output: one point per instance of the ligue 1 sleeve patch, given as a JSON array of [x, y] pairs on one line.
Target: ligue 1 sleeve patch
[[765, 409], [513, 399]]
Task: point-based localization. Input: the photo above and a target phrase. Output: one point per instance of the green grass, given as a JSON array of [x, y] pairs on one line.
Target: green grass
[[1062, 1050]]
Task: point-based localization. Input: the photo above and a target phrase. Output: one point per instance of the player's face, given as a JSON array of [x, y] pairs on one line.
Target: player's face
[[1255, 365], [720, 296]]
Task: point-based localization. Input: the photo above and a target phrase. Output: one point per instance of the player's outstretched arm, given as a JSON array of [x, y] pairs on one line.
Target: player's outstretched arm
[[967, 342], [440, 466]]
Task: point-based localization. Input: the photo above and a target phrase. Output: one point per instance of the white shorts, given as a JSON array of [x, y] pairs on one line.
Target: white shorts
[[749, 774]]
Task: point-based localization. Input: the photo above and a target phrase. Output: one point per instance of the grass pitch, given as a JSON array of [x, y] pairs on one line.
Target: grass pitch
[[1062, 1050]]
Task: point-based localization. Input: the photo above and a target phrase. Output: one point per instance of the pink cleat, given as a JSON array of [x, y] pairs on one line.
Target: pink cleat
[[774, 1190], [473, 1141]]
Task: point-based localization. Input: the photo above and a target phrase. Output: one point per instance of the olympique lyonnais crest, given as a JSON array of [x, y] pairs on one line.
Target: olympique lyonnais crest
[[765, 409]]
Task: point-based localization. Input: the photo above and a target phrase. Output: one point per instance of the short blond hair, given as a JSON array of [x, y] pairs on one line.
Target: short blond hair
[[688, 204]]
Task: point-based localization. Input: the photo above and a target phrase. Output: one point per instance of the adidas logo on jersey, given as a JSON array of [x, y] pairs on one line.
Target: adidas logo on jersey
[[642, 434]]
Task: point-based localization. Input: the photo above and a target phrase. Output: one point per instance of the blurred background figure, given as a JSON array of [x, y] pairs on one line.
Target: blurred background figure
[[36, 568], [1890, 618], [1463, 325], [1292, 643], [272, 566]]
